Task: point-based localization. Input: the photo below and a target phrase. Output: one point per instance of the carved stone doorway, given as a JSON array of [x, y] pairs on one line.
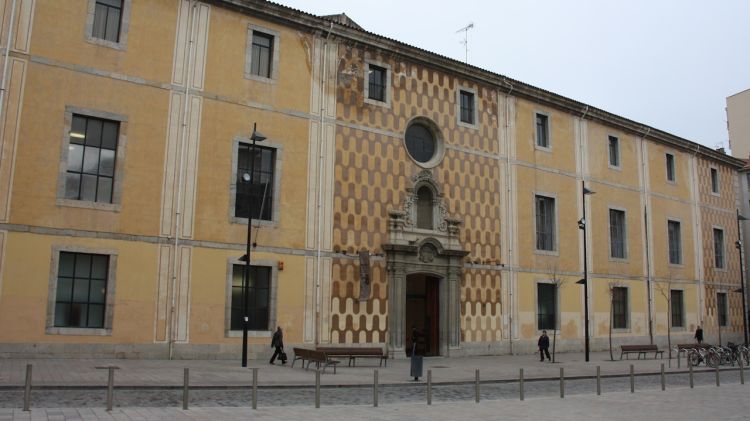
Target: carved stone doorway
[[423, 313]]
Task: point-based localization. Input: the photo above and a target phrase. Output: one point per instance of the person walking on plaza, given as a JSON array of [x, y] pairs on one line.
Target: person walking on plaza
[[544, 346], [277, 342], [699, 335]]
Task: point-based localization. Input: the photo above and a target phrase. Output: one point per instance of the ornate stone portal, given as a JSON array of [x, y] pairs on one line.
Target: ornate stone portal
[[436, 252]]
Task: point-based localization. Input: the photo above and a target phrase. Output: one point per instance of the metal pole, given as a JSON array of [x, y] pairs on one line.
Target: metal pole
[[691, 373], [663, 382], [632, 380], [598, 381], [520, 382], [246, 277], [255, 388], [375, 388], [585, 271], [562, 383], [110, 387], [742, 279], [317, 388], [27, 389], [429, 387], [185, 392], [476, 386], [742, 371], [717, 377]]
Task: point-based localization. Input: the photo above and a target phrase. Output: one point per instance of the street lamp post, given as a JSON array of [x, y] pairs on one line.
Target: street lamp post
[[738, 244], [248, 178], [585, 281]]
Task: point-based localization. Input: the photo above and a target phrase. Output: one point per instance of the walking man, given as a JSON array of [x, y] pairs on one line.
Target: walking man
[[277, 342], [544, 346], [699, 335]]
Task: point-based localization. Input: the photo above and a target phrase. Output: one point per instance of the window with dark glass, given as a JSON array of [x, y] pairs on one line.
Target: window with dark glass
[[542, 130], [92, 153], [714, 180], [546, 295], [617, 233], [467, 107], [721, 308], [718, 248], [262, 54], [420, 143], [678, 316], [81, 290], [614, 151], [619, 308], [675, 242], [670, 167], [257, 293], [107, 20], [545, 223], [376, 82], [255, 196], [424, 208]]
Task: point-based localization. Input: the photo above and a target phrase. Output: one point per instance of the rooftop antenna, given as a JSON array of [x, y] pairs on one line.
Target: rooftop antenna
[[465, 41]]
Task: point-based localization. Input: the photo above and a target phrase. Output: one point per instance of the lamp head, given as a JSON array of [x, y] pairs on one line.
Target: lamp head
[[740, 217], [581, 224], [581, 282], [587, 191]]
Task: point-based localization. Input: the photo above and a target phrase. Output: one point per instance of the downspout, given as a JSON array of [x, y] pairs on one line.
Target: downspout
[[7, 55], [181, 176], [509, 208], [318, 274], [648, 279]]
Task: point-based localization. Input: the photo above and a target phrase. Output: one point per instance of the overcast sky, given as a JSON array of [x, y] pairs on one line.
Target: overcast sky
[[666, 63]]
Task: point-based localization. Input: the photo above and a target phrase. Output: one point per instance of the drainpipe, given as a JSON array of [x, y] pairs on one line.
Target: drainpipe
[[181, 176], [509, 208], [7, 54]]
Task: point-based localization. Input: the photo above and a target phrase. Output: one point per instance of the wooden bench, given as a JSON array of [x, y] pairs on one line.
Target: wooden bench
[[314, 356], [353, 353], [640, 350]]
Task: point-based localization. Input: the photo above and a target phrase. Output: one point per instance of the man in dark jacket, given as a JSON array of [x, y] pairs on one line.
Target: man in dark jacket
[[544, 346], [699, 335], [277, 342]]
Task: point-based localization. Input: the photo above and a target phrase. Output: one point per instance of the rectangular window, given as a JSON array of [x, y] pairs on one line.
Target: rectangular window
[[675, 242], [377, 79], [678, 316], [545, 223], [467, 107], [92, 154], [546, 306], [718, 248], [255, 192], [714, 180], [257, 294], [107, 20], [81, 290], [721, 307], [262, 55], [619, 308], [614, 151], [542, 130], [670, 167], [617, 233]]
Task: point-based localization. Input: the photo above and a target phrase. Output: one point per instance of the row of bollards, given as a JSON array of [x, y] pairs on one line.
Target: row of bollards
[[477, 385]]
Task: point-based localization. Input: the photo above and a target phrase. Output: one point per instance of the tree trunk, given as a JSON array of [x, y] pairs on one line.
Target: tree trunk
[[669, 328], [611, 319], [554, 342]]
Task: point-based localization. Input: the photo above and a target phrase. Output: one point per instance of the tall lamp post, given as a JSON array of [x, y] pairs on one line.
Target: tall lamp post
[[585, 280], [738, 244], [248, 178]]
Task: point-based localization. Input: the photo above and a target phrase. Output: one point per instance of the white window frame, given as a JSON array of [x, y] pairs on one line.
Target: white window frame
[[272, 299], [711, 170], [547, 148], [475, 104], [556, 249], [388, 83], [619, 155], [625, 234], [274, 54], [122, 44]]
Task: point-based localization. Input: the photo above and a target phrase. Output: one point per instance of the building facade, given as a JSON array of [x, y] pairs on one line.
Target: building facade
[[395, 188], [738, 108]]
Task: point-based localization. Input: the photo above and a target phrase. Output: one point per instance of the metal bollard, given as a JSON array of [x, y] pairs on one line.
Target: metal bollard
[[663, 382], [27, 389], [562, 383], [717, 376], [691, 375], [632, 380], [598, 381], [317, 388], [678, 358], [110, 387], [429, 387], [520, 382], [255, 388], [476, 386], [375, 388], [742, 371], [185, 392]]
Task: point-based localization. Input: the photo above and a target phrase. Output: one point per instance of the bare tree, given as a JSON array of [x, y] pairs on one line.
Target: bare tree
[[558, 283], [665, 289], [612, 285]]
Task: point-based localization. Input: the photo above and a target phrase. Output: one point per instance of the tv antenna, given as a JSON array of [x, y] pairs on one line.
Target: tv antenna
[[465, 41]]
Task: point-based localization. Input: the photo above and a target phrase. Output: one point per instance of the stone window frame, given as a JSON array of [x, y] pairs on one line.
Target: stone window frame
[[277, 173], [711, 170], [547, 114], [388, 83], [556, 250], [617, 167], [475, 100], [682, 237], [50, 328], [682, 311], [674, 167], [558, 310], [272, 298], [626, 244], [727, 323], [274, 54], [715, 228], [440, 148], [122, 44], [117, 186], [628, 314]]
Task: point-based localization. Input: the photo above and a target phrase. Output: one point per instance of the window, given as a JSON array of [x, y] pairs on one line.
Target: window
[[81, 290], [718, 248], [714, 181], [255, 197], [420, 143], [546, 296], [542, 130], [721, 308], [545, 223], [377, 79], [424, 208], [107, 20], [617, 233], [261, 60], [619, 308], [678, 316], [614, 151], [257, 293], [675, 242], [92, 153], [467, 107], [670, 167]]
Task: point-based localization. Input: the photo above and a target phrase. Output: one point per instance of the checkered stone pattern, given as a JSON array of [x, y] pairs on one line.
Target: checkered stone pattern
[[734, 310], [354, 321], [480, 306], [730, 274]]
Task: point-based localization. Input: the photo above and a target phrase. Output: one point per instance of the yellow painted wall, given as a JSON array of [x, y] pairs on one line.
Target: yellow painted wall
[[661, 211], [598, 153], [562, 153]]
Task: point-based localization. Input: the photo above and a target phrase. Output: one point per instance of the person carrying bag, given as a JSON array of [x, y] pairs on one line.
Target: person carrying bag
[[277, 342]]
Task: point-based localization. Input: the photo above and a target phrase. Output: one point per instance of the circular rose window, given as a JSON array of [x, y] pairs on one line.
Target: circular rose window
[[423, 142]]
